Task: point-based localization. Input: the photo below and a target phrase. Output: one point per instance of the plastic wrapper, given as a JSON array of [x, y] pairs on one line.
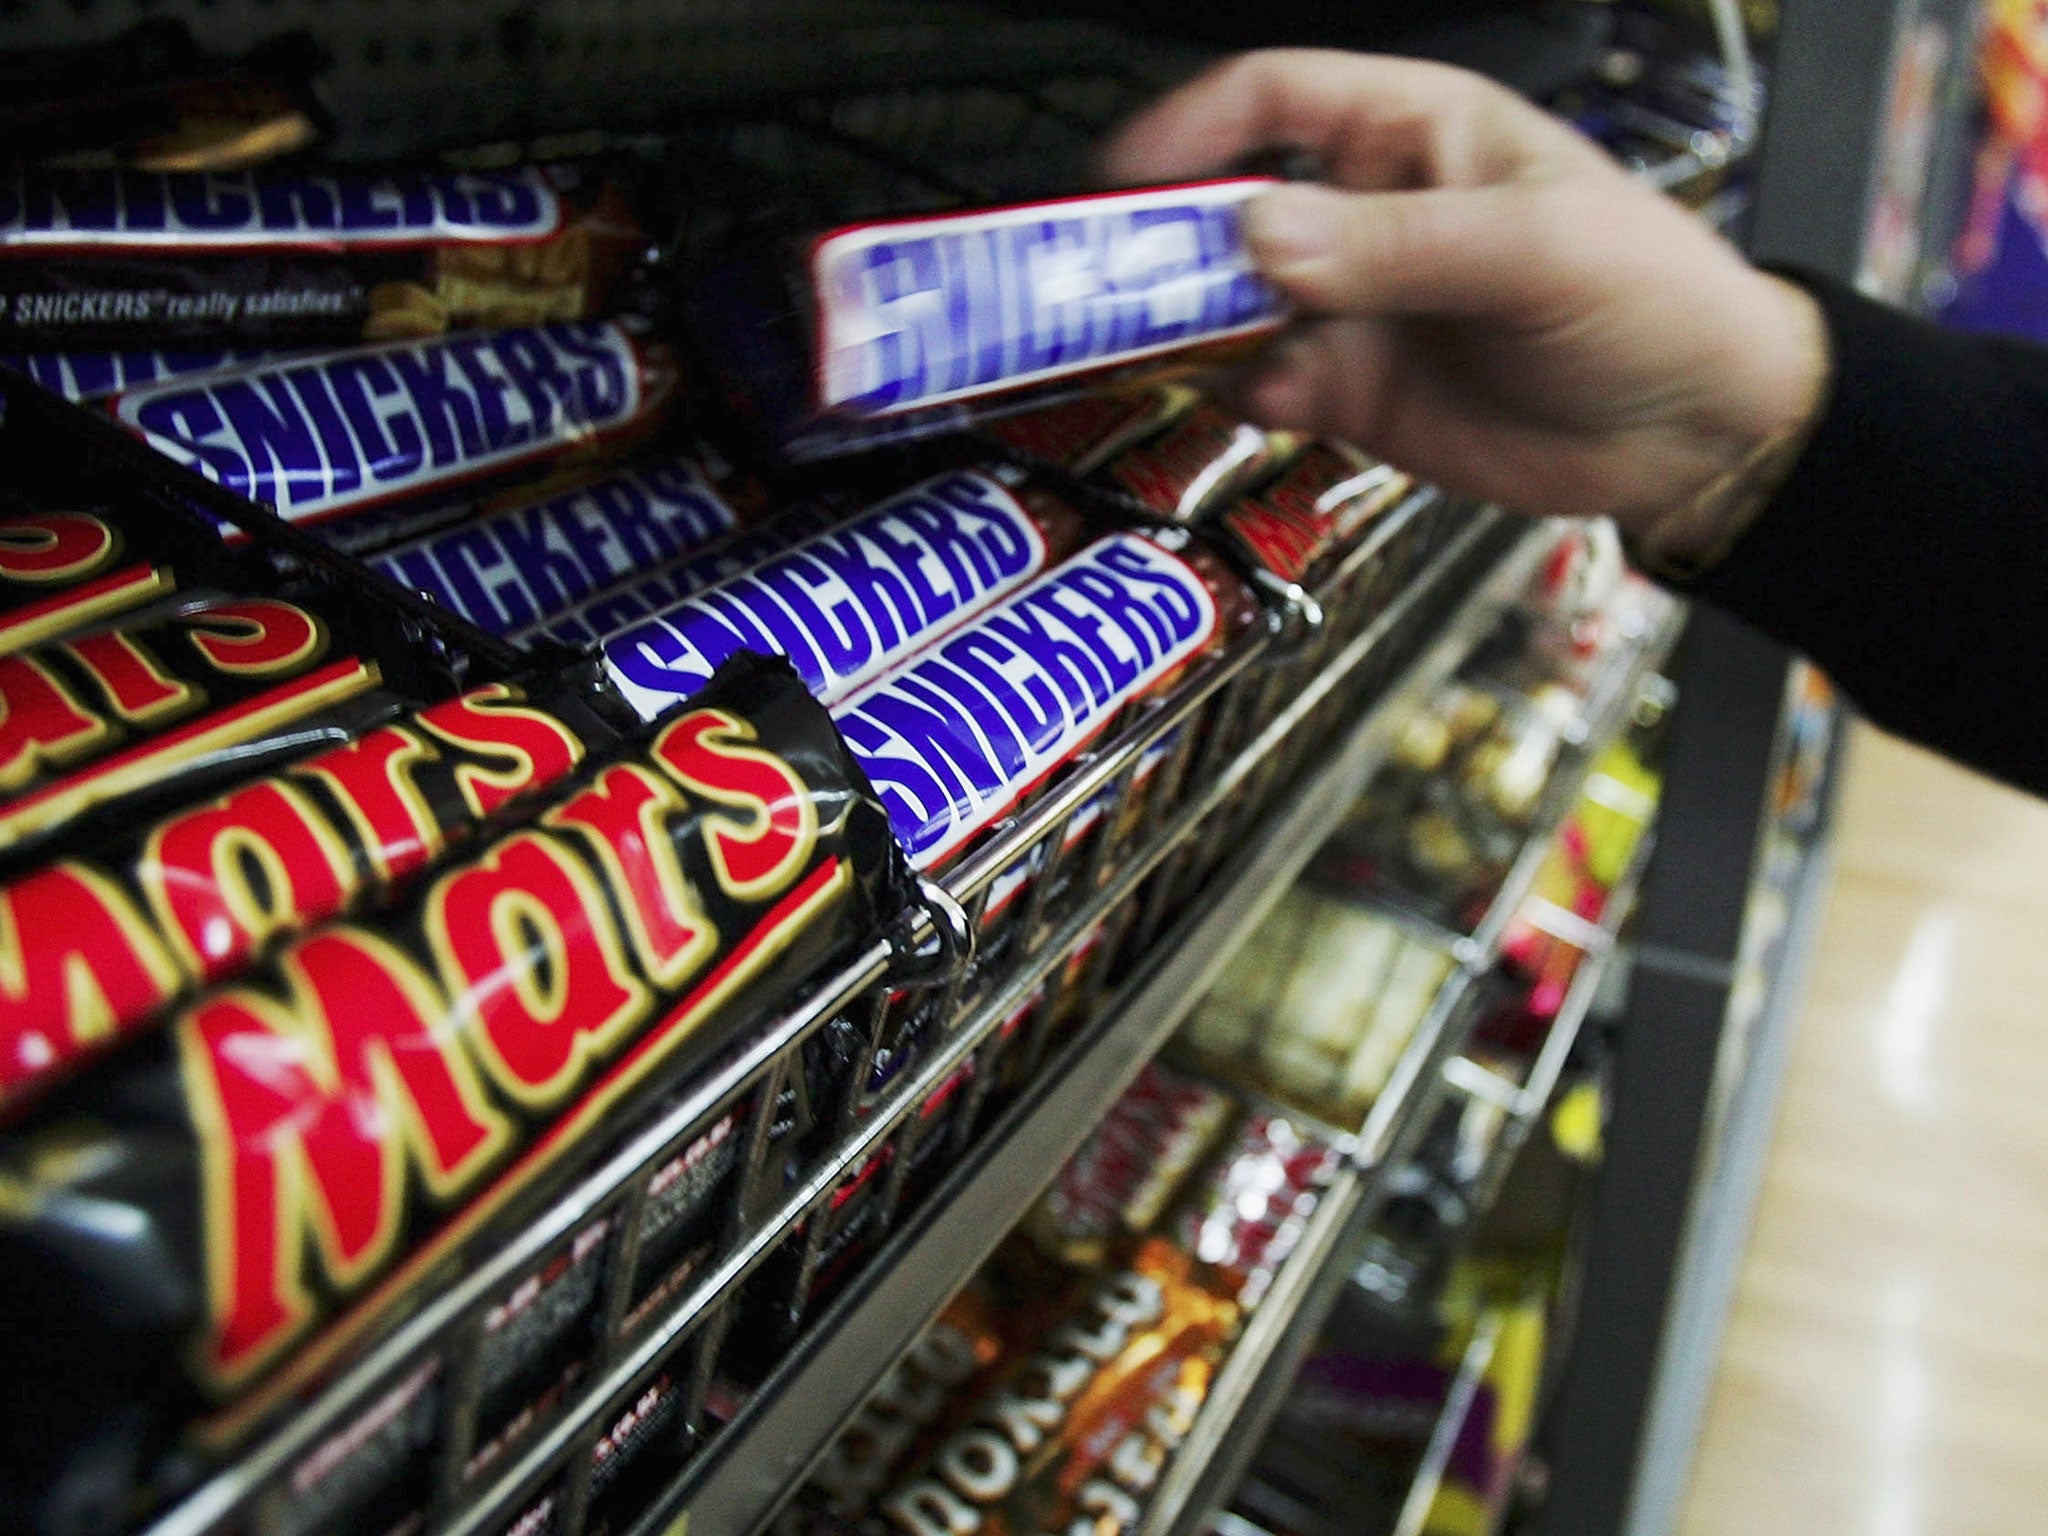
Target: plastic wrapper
[[1319, 1005], [150, 98], [1121, 1180], [81, 376], [1318, 506], [156, 911], [1245, 1213], [901, 328], [1076, 436], [937, 1375], [1195, 464], [848, 603], [102, 258], [1078, 1431], [348, 431], [200, 690], [654, 592], [522, 567], [67, 568], [252, 1193], [958, 737]]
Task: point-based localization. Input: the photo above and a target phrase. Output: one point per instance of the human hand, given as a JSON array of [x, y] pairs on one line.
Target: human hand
[[1490, 302]]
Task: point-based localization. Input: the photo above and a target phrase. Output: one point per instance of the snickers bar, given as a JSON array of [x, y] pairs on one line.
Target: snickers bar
[[894, 330], [848, 603], [252, 1193], [536, 561], [920, 312], [643, 597], [82, 376], [344, 431], [954, 739], [113, 258]]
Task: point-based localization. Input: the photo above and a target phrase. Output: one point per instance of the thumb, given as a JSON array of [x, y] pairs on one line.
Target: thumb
[[1449, 251]]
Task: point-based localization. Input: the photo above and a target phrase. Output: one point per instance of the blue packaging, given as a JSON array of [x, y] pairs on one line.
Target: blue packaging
[[533, 563], [342, 431], [957, 737], [82, 376], [847, 603], [896, 329]]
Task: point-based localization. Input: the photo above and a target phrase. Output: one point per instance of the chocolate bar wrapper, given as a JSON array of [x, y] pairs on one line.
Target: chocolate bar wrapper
[[163, 908], [958, 737], [68, 567], [850, 602], [897, 329], [1081, 1427], [534, 991], [279, 258], [1318, 507], [150, 98], [1244, 1215], [920, 1395], [534, 562], [82, 377], [644, 596], [1076, 436], [1123, 1176], [349, 431], [1196, 464], [201, 689]]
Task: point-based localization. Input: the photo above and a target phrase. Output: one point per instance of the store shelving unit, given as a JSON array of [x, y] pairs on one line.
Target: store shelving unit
[[755, 1467], [1253, 1380], [458, 70]]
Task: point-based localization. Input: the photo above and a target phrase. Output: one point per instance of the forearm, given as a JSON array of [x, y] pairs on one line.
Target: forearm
[[1907, 552]]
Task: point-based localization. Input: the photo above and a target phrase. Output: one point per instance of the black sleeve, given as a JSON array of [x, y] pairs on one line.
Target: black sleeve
[[1908, 552]]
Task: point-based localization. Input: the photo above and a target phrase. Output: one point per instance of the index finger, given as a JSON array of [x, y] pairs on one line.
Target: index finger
[[1379, 124]]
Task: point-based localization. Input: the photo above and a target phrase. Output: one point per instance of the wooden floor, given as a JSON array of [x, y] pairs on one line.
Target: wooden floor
[[1886, 1368]]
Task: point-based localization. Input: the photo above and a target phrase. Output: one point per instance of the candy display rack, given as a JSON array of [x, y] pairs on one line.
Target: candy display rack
[[1253, 757]]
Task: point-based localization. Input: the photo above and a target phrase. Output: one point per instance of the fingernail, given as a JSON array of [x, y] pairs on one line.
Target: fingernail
[[1289, 225]]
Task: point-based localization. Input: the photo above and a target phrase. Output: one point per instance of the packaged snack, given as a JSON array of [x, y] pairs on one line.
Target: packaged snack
[[62, 569], [102, 258], [1313, 510], [1079, 1430], [346, 431], [848, 603], [84, 376], [956, 738], [1244, 1215], [160, 909], [1076, 436], [1194, 465], [903, 327], [201, 688], [1130, 1167], [253, 1192], [948, 1364], [643, 596], [522, 567]]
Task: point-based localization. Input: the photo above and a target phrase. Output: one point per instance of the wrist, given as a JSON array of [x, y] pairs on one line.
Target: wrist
[[1770, 416]]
